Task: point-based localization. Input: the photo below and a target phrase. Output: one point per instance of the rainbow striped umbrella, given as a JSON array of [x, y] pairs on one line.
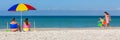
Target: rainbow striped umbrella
[[21, 7]]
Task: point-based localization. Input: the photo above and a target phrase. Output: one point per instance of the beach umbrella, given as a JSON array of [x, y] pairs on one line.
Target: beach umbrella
[[21, 7]]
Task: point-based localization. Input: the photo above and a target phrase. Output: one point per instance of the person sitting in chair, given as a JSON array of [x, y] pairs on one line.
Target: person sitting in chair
[[26, 25], [13, 25]]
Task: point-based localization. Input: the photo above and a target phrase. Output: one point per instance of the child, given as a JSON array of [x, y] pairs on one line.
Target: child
[[101, 22]]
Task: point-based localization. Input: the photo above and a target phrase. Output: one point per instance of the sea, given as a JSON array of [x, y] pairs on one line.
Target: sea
[[60, 21]]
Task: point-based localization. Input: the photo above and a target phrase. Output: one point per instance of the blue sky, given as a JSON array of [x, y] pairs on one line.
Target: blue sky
[[65, 5]]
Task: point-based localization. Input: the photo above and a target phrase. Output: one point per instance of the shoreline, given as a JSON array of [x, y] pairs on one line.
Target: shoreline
[[60, 29]]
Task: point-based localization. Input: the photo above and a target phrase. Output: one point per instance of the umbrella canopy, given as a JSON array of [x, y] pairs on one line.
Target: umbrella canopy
[[21, 7]]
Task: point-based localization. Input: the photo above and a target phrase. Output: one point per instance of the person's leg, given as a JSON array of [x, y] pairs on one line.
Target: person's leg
[[103, 26], [108, 25], [13, 30], [16, 29], [29, 29]]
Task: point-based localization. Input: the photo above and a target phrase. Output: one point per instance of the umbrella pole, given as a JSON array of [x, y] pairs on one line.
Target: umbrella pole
[[21, 22]]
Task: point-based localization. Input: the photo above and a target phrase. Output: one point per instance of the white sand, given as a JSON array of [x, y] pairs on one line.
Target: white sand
[[63, 34]]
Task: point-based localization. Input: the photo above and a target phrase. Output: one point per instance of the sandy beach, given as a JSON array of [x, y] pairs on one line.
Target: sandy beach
[[63, 34]]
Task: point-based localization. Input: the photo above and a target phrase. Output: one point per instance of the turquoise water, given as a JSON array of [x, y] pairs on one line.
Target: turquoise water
[[60, 21]]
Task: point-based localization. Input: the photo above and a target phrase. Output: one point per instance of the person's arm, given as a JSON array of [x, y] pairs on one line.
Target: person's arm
[[30, 24], [110, 18]]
